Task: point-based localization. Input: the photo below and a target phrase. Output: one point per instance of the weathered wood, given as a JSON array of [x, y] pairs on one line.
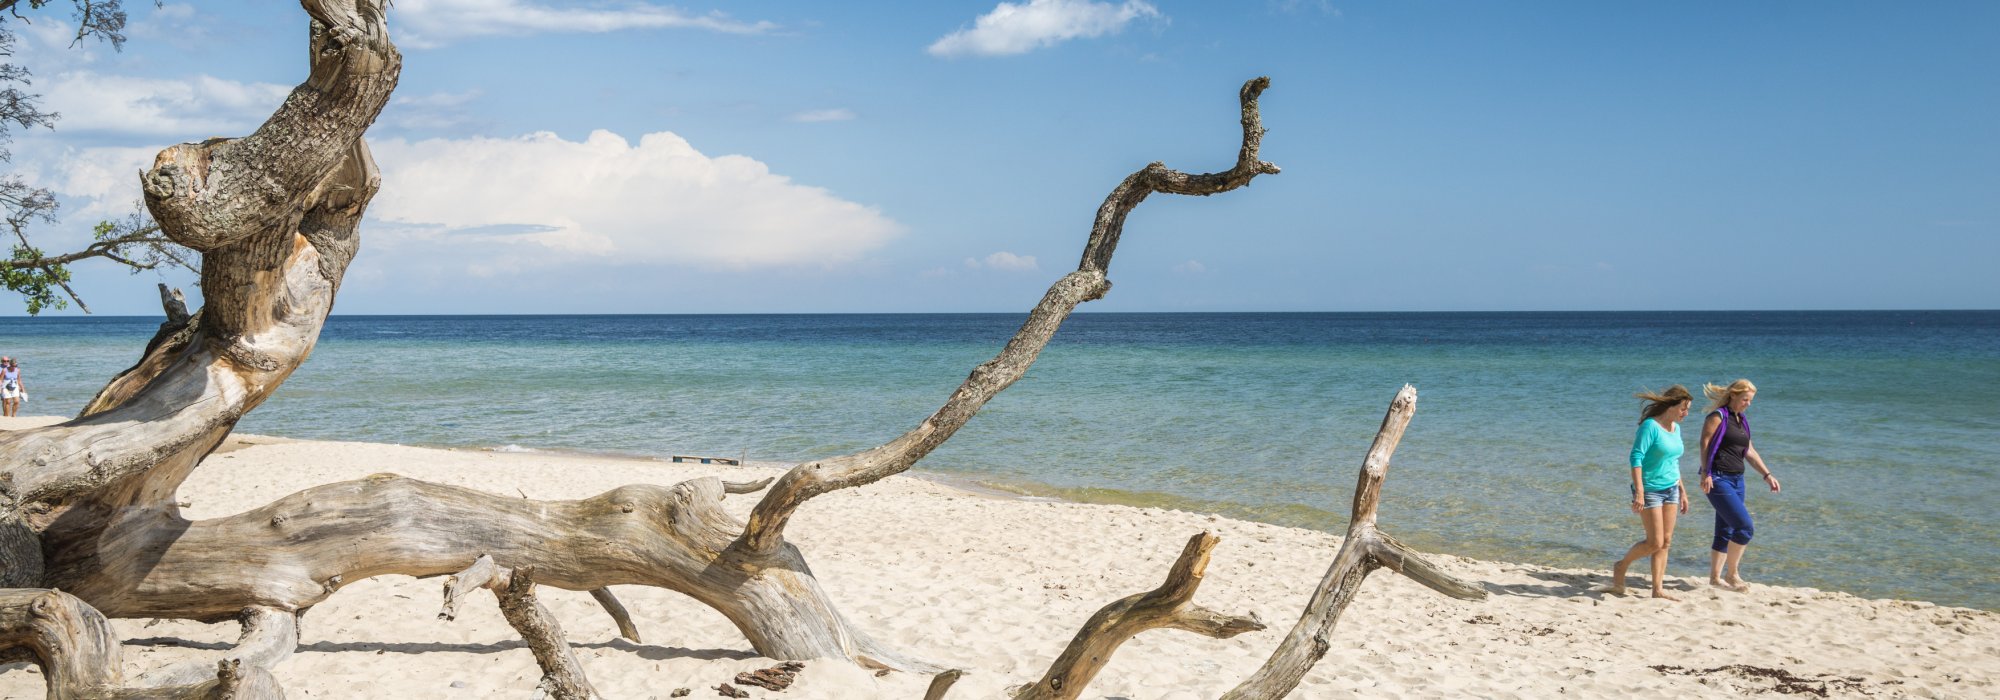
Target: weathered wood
[[642, 534], [1171, 605], [562, 674], [269, 637], [79, 654], [461, 584], [765, 532], [1365, 549], [740, 487], [941, 684], [275, 218], [618, 613]]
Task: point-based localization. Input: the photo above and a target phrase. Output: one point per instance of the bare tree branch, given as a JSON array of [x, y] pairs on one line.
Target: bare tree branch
[[1170, 605], [767, 522], [1364, 550]]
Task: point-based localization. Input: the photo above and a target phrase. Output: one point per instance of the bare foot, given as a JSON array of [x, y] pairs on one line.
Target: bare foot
[[1618, 576], [1737, 587], [1657, 593], [1740, 584]]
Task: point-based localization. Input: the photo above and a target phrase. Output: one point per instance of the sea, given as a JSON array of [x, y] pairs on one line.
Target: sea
[[1884, 426]]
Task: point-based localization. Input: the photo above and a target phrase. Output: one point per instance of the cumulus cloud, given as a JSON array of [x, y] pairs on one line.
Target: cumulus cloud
[[183, 109], [1003, 260], [541, 199], [824, 115], [1191, 267], [432, 23], [1013, 29], [94, 183]]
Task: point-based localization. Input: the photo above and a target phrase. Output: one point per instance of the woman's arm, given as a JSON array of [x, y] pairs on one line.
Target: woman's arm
[[1708, 428], [1641, 443], [1638, 490], [1756, 460]]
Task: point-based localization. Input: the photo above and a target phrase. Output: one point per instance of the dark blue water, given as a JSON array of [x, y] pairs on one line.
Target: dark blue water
[[1883, 425]]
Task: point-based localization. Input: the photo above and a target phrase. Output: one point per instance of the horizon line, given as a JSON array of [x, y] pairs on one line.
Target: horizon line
[[1077, 312]]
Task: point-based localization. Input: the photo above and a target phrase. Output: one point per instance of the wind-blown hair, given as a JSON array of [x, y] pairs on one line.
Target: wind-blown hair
[[1658, 402], [1722, 395]]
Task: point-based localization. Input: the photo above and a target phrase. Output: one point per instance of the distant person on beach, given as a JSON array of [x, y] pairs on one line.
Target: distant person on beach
[[1657, 495], [1726, 449], [12, 391]]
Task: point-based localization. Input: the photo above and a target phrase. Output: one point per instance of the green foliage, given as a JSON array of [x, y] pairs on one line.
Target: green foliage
[[37, 285]]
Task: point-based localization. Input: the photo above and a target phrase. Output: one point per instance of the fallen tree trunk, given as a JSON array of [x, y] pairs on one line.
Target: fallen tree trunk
[[274, 216]]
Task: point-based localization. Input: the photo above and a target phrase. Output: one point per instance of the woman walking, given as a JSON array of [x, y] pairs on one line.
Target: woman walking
[[1657, 495], [12, 390], [1726, 450]]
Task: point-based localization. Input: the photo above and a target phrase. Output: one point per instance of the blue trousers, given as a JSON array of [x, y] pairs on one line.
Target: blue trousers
[[1732, 520]]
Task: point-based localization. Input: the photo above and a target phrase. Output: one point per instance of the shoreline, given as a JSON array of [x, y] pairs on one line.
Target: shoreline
[[975, 485], [997, 585], [1287, 515]]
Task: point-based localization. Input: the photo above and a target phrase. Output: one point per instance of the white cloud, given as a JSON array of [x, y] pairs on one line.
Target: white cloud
[[540, 199], [432, 23], [1003, 260], [185, 109], [94, 183], [824, 115], [1191, 267], [1012, 29]]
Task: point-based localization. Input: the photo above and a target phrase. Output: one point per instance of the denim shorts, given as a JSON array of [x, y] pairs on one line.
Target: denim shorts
[[1670, 495]]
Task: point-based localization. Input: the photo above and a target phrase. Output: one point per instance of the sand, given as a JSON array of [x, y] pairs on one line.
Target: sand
[[998, 585]]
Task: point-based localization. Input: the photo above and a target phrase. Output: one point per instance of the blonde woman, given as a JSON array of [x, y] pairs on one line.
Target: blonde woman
[[12, 390], [1726, 450], [1657, 493]]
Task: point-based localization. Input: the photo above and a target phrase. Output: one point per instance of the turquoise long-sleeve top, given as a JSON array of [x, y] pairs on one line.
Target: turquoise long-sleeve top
[[1657, 454]]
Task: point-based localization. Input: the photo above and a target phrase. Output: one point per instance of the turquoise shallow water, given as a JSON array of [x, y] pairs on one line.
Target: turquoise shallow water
[[1880, 423]]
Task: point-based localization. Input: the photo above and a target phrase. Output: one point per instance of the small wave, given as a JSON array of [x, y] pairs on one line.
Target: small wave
[[511, 448]]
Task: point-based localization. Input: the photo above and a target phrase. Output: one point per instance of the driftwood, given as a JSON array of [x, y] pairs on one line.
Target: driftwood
[[941, 684], [90, 506], [80, 656], [1365, 549], [1171, 605]]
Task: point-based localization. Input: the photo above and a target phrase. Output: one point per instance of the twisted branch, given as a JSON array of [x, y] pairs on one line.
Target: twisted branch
[[765, 532], [1365, 549], [1170, 606]]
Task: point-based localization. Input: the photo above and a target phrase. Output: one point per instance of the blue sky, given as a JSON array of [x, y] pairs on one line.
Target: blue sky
[[631, 157]]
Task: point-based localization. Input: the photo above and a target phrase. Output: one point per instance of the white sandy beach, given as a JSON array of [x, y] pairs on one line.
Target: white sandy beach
[[997, 586]]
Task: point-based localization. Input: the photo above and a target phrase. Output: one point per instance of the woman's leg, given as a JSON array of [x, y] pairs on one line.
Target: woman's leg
[[1650, 519], [1733, 530], [1669, 515]]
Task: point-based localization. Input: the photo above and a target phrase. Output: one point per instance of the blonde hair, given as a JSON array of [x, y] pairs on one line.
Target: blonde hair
[[1657, 402], [1722, 395]]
